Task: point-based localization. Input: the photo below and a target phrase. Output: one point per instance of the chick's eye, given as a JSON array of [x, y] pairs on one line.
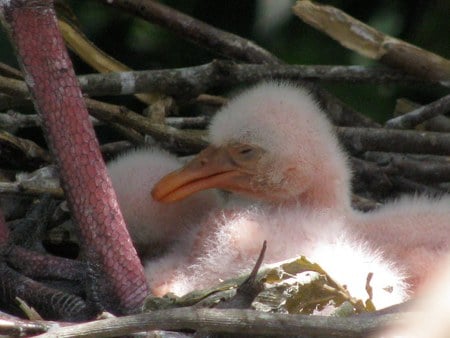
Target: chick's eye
[[245, 151]]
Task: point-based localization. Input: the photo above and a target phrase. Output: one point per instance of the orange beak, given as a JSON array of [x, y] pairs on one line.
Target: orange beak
[[214, 167]]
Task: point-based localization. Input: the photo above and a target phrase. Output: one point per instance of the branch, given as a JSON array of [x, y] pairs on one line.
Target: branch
[[192, 81], [429, 169], [21, 188], [422, 114], [11, 144], [209, 37], [9, 71], [232, 321], [13, 121], [358, 140], [366, 40], [182, 141]]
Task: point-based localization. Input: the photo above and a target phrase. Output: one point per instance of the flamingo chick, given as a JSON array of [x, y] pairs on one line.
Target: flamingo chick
[[274, 144], [154, 226]]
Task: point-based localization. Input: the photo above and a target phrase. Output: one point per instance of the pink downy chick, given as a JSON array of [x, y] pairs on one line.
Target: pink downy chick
[[155, 226], [273, 144]]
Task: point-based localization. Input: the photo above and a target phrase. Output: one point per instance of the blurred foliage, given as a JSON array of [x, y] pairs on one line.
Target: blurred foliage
[[142, 45]]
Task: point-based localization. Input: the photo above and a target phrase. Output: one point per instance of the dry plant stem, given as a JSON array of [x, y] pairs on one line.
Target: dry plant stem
[[128, 133], [15, 120], [409, 186], [422, 114], [438, 123], [9, 71], [231, 321], [363, 39], [20, 189], [340, 113], [425, 170], [13, 87], [9, 102], [30, 149], [15, 327], [196, 122], [114, 148], [358, 140], [247, 291], [4, 233], [94, 56], [216, 40], [191, 81], [120, 284], [180, 140]]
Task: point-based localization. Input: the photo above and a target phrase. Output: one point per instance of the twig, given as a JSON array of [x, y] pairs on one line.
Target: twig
[[9, 102], [9, 71], [192, 81], [371, 43], [409, 186], [180, 140], [216, 40], [370, 180], [15, 327], [358, 140], [12, 87], [422, 114], [94, 56], [28, 148], [19, 188], [196, 122], [114, 148], [13, 121], [211, 100], [427, 170], [128, 133], [228, 321], [363, 204], [247, 291]]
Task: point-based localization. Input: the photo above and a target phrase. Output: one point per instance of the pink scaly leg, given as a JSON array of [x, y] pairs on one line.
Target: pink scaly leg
[[119, 283]]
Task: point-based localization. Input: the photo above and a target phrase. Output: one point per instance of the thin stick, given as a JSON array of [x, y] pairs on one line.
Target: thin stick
[[227, 321], [422, 114], [216, 40]]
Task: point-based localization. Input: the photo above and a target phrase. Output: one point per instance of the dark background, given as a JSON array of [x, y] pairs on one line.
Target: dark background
[[142, 45]]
